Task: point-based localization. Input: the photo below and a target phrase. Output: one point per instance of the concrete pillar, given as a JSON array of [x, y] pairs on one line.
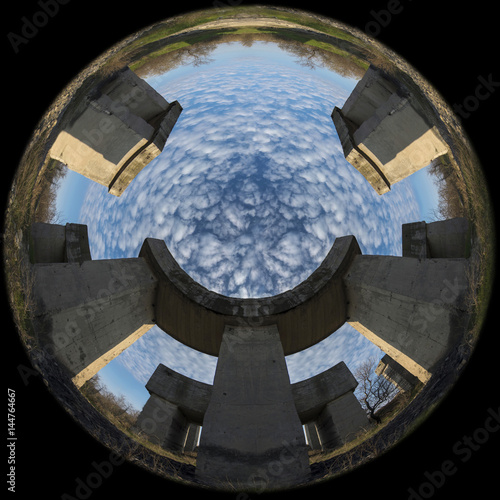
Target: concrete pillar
[[163, 423], [192, 437], [191, 396], [312, 436], [442, 239], [395, 373], [384, 131], [413, 309], [87, 314], [340, 421], [252, 435], [116, 131], [57, 243]]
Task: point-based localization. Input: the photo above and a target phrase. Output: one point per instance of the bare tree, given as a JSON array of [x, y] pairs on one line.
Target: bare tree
[[373, 391]]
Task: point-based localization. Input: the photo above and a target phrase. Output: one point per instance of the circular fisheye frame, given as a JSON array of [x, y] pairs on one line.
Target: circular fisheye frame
[[260, 222]]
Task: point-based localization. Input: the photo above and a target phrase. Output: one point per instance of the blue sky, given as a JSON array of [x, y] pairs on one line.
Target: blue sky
[[249, 194]]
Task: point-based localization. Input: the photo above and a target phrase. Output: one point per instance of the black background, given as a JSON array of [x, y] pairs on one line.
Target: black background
[[451, 44]]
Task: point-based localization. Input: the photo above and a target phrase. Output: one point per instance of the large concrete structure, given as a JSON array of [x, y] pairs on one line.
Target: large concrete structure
[[384, 131], [177, 407], [115, 132], [88, 311], [442, 239], [396, 374], [251, 425]]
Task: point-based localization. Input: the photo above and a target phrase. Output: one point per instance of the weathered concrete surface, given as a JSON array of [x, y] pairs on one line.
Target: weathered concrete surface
[[163, 423], [340, 421], [197, 316], [449, 238], [384, 132], [412, 309], [395, 373], [190, 395], [313, 394], [116, 132], [57, 243], [88, 313], [252, 435], [193, 397]]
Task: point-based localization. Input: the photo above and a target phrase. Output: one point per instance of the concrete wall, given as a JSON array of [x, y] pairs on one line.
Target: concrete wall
[[313, 394], [396, 374], [163, 423], [442, 239], [340, 421], [190, 395], [197, 316], [87, 314], [251, 430], [384, 132], [412, 309], [57, 243], [115, 132]]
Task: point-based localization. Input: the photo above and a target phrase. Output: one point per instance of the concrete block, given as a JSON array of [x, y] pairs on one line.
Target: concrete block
[[415, 240], [449, 238], [412, 309], [311, 395], [396, 374], [191, 396], [384, 132], [47, 243], [163, 423], [251, 430], [86, 314], [197, 316], [340, 421], [116, 131], [50, 243]]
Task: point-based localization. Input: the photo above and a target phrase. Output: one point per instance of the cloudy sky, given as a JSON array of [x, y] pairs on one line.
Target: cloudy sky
[[249, 195]]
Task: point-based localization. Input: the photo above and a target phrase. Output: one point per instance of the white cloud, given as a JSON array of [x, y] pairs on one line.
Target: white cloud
[[249, 194]]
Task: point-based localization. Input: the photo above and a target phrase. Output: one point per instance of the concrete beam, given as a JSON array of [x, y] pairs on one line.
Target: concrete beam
[[340, 421], [396, 374], [197, 316], [57, 243], [313, 394], [163, 423], [251, 433], [115, 132], [449, 238], [87, 313], [384, 132], [190, 395], [412, 309]]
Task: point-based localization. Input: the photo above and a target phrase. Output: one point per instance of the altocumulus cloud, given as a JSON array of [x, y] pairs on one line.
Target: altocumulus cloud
[[249, 194]]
